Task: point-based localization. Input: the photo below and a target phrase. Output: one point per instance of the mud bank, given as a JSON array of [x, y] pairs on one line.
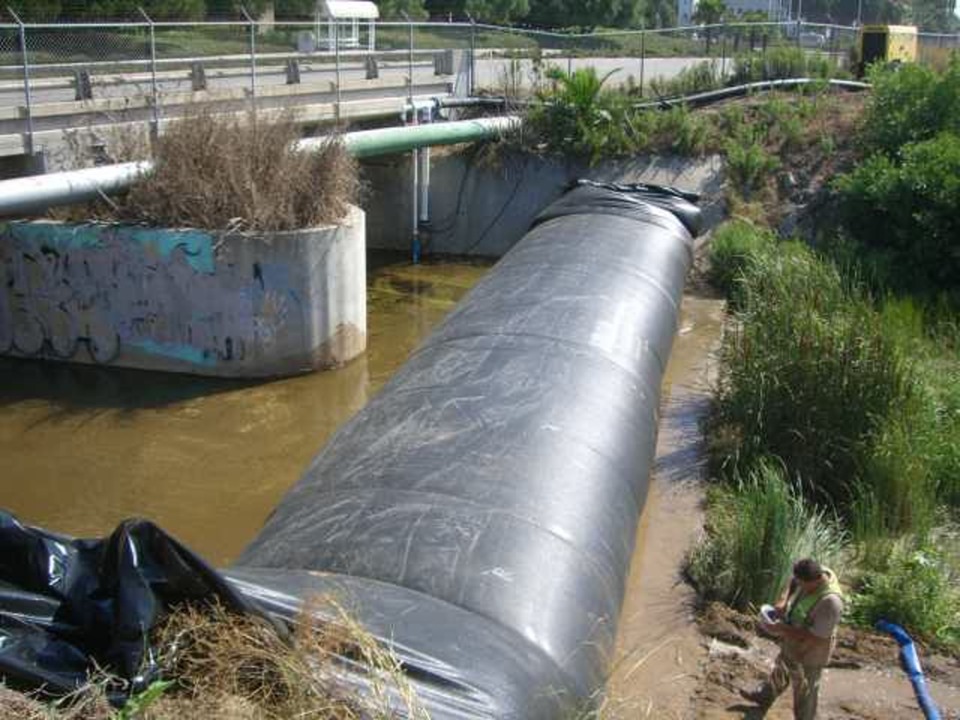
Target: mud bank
[[659, 648]]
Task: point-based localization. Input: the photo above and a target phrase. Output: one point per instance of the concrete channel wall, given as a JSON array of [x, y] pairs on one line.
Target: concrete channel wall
[[231, 305], [482, 203]]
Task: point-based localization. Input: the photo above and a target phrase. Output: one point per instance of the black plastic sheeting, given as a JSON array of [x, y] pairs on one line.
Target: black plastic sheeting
[[68, 605], [481, 511]]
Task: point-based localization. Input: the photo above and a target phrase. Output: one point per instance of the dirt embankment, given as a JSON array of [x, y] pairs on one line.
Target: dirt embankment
[[863, 681], [675, 660]]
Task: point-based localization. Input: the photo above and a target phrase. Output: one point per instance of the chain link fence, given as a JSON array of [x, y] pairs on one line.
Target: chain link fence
[[935, 49], [155, 67]]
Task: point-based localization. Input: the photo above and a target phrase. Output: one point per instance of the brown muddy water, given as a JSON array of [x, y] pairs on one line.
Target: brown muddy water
[[656, 664], [83, 448]]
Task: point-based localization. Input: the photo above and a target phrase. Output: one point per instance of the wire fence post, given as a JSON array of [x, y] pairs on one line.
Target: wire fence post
[[409, 56], [472, 86], [643, 56], [723, 50], [336, 62], [155, 125], [28, 98], [253, 56]]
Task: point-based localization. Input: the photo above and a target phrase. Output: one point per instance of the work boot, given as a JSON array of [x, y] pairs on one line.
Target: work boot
[[758, 696]]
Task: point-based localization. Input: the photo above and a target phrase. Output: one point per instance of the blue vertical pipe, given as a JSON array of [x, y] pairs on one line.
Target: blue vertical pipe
[[911, 666]]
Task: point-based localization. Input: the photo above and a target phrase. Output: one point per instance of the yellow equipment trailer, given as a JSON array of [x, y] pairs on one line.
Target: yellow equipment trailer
[[887, 44]]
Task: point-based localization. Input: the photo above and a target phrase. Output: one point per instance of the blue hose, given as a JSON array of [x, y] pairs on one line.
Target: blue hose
[[911, 666]]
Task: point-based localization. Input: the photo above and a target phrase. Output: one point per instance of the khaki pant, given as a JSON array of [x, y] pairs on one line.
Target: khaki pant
[[806, 685]]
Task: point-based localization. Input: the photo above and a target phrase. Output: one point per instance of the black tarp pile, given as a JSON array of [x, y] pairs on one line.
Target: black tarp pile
[[68, 605]]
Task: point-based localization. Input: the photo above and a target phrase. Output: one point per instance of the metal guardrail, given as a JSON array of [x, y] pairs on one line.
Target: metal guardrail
[[155, 59]]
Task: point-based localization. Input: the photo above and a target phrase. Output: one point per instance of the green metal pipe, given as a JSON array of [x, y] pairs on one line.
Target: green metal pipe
[[33, 194], [390, 141]]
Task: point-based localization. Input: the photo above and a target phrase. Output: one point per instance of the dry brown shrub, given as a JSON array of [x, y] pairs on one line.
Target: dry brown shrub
[[86, 703], [220, 172], [226, 666], [17, 706]]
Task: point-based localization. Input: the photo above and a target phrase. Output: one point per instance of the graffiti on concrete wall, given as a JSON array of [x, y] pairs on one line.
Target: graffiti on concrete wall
[[102, 289]]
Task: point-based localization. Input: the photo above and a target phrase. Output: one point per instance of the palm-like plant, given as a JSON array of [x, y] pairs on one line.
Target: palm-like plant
[[577, 113]]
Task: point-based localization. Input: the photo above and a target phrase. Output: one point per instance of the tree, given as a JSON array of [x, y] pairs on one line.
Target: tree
[[498, 11], [127, 9], [586, 13], [393, 9], [37, 10], [659, 13], [932, 15], [709, 12], [295, 8], [174, 9], [753, 17]]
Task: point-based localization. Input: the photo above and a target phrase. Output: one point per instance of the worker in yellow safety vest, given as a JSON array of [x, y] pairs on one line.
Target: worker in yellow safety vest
[[808, 613]]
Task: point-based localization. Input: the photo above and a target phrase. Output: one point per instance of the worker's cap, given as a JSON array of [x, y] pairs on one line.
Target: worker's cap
[[807, 570]]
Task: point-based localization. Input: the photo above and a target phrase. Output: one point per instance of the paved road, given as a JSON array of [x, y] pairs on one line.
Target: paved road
[[493, 74], [496, 74], [139, 84]]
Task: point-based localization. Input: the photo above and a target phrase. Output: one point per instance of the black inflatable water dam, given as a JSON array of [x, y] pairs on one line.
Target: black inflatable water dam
[[481, 511]]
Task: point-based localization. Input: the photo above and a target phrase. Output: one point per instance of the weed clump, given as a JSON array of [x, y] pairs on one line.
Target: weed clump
[[759, 525], [216, 173], [915, 589], [576, 114], [748, 164], [732, 247]]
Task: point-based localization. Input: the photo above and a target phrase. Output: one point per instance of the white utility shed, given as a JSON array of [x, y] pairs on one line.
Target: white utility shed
[[343, 19]]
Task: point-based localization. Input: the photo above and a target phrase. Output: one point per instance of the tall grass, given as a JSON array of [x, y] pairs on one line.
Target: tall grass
[[859, 401], [693, 79], [732, 247], [780, 63], [807, 376], [758, 527]]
